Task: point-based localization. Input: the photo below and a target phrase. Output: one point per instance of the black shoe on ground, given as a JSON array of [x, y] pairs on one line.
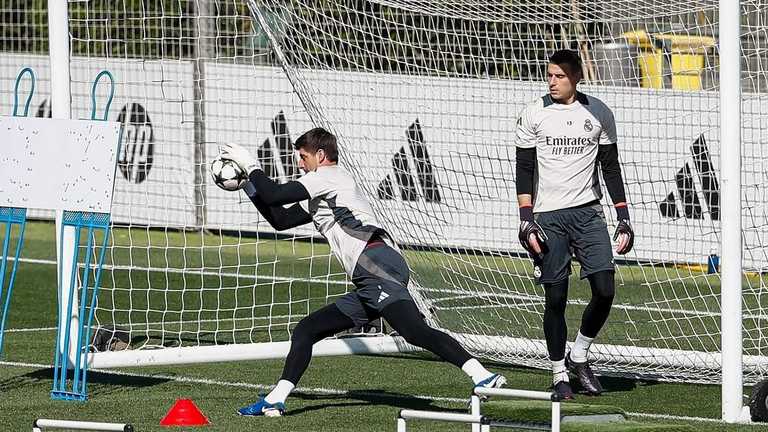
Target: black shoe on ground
[[587, 378], [563, 390]]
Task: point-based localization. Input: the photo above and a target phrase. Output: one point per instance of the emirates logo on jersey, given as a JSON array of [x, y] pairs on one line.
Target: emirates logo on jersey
[[588, 125]]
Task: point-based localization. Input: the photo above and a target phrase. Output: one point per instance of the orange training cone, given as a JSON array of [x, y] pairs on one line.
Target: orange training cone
[[184, 413]]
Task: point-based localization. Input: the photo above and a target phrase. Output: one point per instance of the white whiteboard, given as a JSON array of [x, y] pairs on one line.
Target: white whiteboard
[[58, 164]]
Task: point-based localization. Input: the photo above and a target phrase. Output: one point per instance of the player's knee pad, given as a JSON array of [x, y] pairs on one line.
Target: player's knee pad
[[603, 286]]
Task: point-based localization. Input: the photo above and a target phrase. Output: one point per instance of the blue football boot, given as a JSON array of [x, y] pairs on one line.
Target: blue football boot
[[263, 408]]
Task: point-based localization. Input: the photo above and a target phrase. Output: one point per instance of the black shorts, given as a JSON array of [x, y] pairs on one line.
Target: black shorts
[[381, 277], [580, 231]]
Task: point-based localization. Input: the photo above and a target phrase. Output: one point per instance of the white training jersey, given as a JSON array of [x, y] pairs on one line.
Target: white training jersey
[[565, 138], [340, 212]]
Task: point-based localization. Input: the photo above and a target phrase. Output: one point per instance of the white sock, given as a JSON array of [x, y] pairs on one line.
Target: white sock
[[280, 392], [475, 370], [559, 372], [580, 348]]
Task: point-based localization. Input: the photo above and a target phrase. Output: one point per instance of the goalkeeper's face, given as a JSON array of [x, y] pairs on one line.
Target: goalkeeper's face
[[562, 83], [309, 161]]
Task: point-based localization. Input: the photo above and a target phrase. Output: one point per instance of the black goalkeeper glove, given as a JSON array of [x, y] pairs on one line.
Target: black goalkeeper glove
[[624, 227], [529, 226]]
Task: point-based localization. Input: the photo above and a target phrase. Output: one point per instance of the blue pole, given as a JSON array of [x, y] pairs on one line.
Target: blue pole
[[94, 295], [17, 256], [65, 354], [81, 313]]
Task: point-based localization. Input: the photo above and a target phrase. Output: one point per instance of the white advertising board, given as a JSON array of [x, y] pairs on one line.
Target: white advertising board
[[154, 183], [256, 108], [154, 102], [435, 155], [669, 146]]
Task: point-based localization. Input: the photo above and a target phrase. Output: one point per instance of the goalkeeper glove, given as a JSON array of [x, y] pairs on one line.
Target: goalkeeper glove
[[239, 155], [624, 228], [529, 227]]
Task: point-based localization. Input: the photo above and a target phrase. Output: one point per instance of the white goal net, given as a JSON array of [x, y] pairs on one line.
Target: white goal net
[[424, 96]]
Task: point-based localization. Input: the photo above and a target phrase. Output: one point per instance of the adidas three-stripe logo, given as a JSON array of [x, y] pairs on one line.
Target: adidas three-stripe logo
[[286, 167], [686, 189], [424, 170]]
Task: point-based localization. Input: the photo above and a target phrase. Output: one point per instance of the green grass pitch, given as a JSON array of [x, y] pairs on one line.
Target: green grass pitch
[[353, 393]]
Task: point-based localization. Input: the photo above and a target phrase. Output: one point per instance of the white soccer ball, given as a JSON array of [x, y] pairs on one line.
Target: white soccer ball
[[227, 174]]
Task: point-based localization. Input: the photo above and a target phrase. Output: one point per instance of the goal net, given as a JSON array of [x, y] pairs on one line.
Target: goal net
[[424, 98]]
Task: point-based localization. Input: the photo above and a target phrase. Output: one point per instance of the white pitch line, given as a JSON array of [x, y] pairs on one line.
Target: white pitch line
[[30, 330], [334, 392]]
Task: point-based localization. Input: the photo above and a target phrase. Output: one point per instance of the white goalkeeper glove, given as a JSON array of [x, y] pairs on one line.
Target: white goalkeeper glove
[[239, 155]]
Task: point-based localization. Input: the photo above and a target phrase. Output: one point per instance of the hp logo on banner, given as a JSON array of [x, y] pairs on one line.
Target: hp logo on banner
[[137, 153]]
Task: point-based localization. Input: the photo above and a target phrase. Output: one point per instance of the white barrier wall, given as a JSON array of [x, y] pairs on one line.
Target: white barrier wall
[[465, 126], [155, 176]]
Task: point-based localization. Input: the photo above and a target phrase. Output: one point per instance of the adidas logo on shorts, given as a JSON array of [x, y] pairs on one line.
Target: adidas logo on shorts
[[383, 296]]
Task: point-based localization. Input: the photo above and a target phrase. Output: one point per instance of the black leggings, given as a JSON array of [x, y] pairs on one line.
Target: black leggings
[[403, 316], [595, 314]]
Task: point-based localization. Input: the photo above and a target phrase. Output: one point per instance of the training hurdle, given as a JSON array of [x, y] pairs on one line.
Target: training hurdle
[[404, 415], [479, 393], [40, 424]]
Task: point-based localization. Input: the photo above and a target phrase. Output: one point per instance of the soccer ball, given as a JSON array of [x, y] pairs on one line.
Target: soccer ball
[[227, 174]]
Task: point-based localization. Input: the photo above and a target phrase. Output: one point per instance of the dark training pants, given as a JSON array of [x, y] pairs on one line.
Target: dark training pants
[[381, 278]]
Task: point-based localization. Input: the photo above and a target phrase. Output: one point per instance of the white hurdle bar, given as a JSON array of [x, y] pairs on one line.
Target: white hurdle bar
[[474, 403], [41, 424], [404, 415]]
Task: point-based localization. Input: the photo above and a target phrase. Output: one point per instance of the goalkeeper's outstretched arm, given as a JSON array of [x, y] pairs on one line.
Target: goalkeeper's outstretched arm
[[279, 217], [267, 195], [270, 193], [273, 194]]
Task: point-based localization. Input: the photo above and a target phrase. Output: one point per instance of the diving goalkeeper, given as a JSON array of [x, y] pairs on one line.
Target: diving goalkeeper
[[328, 196]]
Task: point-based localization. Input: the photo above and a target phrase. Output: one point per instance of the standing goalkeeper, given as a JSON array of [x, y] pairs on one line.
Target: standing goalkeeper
[[562, 139]]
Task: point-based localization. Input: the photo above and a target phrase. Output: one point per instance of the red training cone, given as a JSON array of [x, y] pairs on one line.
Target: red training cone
[[184, 413]]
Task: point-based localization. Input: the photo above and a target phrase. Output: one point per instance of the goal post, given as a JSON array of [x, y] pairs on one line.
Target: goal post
[[731, 225], [424, 97]]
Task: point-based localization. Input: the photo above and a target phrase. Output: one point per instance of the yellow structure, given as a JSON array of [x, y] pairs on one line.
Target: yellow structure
[[686, 58]]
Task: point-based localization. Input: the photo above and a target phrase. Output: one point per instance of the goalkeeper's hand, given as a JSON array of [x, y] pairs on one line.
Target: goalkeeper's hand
[[624, 232], [531, 235], [239, 155]]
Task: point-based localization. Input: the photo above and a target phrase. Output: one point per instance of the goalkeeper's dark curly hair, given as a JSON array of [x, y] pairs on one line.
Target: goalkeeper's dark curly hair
[[567, 57], [319, 139]]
